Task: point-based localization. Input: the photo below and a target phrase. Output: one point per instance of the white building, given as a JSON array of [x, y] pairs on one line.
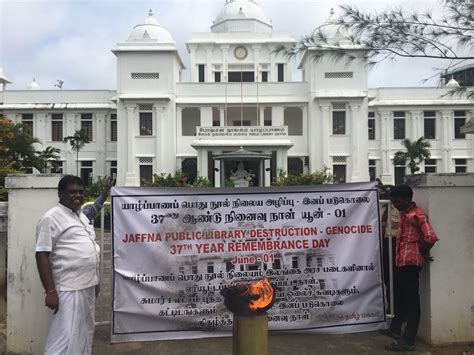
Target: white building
[[241, 94]]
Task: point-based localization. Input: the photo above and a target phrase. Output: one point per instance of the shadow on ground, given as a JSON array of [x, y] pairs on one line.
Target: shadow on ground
[[281, 344]]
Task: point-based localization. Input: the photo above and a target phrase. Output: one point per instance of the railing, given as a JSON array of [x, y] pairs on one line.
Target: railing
[[103, 303]]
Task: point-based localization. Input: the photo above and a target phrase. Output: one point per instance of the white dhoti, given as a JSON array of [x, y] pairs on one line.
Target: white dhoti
[[71, 330]]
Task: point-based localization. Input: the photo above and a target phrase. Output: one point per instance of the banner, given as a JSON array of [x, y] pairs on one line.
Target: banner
[[175, 249]]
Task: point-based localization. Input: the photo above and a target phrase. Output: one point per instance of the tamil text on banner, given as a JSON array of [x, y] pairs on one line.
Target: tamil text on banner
[[175, 249]]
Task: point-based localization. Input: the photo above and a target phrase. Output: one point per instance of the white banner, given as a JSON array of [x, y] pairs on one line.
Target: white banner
[[175, 249]]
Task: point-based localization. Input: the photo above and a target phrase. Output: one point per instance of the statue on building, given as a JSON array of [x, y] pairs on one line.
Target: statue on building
[[241, 177]]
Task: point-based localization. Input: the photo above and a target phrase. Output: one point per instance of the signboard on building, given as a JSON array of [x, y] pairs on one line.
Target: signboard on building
[[175, 249], [242, 132]]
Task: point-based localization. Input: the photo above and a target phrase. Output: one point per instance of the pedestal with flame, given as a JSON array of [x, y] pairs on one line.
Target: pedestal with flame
[[249, 303]]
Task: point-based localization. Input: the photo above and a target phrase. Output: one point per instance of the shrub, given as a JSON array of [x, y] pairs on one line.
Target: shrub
[[179, 179], [317, 178]]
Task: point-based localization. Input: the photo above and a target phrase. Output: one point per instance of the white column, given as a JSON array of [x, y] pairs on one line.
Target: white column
[[160, 139], [447, 140], [131, 176], [326, 132], [206, 116], [192, 65], [355, 122], [221, 116], [217, 173], [267, 166], [225, 65], [416, 119], [256, 60], [209, 61], [278, 116], [385, 135], [99, 129], [27, 316]]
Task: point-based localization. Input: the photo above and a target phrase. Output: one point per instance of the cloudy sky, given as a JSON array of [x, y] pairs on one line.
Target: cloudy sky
[[71, 39]]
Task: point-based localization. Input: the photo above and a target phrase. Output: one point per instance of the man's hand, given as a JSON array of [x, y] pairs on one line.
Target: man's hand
[[97, 290], [52, 301], [109, 182]]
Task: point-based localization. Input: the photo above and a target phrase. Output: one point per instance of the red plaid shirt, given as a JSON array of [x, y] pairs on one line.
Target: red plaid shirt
[[414, 230]]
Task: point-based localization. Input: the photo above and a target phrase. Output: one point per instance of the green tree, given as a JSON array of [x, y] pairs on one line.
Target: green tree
[[16, 146], [77, 142], [416, 152], [395, 33], [318, 177], [46, 157]]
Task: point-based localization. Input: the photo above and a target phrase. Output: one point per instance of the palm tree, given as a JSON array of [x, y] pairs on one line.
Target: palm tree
[[45, 156], [416, 152], [77, 141]]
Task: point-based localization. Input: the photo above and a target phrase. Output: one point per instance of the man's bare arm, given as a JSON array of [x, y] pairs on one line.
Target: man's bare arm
[[46, 276]]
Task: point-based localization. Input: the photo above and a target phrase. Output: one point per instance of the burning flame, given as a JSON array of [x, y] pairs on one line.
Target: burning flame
[[261, 294]]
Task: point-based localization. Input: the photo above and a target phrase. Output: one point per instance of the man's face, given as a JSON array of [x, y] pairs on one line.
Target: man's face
[[72, 197], [401, 203]]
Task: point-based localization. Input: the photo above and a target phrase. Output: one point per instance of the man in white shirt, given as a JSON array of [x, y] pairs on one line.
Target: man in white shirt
[[67, 257]]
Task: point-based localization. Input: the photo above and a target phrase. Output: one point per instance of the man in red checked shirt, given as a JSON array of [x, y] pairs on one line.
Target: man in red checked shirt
[[415, 238]]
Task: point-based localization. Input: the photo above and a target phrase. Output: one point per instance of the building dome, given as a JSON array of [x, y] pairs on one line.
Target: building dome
[[452, 83], [331, 31], [34, 85], [150, 31], [241, 16]]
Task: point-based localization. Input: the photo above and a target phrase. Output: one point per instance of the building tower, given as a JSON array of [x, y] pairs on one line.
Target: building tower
[[148, 68]]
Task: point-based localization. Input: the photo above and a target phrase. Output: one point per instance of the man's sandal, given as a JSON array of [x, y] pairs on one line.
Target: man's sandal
[[399, 346]]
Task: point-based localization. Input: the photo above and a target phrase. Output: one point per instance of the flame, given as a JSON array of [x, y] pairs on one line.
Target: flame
[[261, 293]]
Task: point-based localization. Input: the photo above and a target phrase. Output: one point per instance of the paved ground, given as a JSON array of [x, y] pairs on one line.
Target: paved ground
[[361, 343]]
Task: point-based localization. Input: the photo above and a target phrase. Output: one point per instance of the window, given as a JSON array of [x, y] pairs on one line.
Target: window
[[400, 173], [322, 284], [189, 168], [459, 121], [372, 169], [295, 166], [276, 265], [293, 118], [86, 124], [57, 127], [430, 124], [194, 269], [216, 117], [27, 122], [319, 262], [217, 76], [309, 261], [430, 165], [294, 262], [241, 76], [399, 125], [146, 173], [339, 169], [86, 171], [146, 120], [113, 169], [210, 267], [264, 76], [113, 127], [371, 125], [145, 75], [281, 72], [338, 75], [56, 167], [460, 165], [338, 118], [191, 118], [201, 73]]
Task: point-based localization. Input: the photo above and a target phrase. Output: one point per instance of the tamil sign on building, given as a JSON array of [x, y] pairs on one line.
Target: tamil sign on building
[[175, 249]]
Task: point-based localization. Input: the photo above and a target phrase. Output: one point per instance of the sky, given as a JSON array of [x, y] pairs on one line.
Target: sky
[[71, 40]]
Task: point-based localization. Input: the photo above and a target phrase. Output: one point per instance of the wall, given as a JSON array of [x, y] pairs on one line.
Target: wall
[[30, 196], [447, 283]]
